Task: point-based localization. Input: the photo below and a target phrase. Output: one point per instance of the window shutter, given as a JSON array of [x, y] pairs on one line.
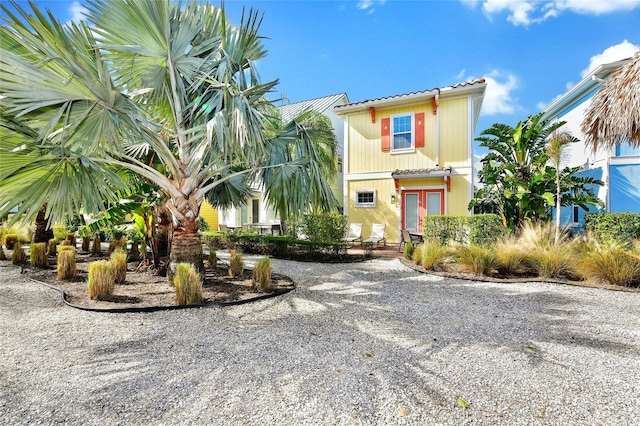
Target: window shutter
[[386, 130], [419, 126]]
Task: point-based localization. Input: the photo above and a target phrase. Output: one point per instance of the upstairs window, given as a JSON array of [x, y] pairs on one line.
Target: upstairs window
[[402, 132]]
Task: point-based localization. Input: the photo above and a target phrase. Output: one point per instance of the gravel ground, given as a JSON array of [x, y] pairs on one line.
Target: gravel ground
[[370, 343]]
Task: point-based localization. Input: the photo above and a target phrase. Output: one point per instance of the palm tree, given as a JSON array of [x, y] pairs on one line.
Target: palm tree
[[178, 78], [614, 114], [556, 152]]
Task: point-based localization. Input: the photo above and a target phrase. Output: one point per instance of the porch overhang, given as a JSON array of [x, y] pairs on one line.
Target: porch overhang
[[444, 172]]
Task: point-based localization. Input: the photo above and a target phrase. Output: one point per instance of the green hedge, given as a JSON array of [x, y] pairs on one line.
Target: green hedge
[[479, 229], [619, 227], [283, 247]]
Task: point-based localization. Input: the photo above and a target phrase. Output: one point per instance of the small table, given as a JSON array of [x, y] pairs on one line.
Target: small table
[[416, 237]]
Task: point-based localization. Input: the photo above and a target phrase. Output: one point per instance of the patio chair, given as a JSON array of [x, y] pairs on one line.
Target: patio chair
[[407, 238], [377, 234], [354, 234], [224, 228]]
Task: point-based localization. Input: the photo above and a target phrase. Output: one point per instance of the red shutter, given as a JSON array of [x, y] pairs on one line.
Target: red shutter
[[386, 130], [419, 125]]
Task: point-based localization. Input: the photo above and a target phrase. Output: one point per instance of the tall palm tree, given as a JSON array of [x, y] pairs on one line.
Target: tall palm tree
[[179, 78], [556, 151]]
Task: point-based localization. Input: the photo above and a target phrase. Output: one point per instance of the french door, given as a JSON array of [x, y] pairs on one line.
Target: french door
[[416, 204]]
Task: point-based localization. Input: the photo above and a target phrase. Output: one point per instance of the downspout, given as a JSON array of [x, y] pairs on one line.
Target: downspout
[[437, 112]]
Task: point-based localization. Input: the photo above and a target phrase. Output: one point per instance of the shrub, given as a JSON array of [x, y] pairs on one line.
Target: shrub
[[611, 263], [477, 259], [324, 227], [622, 228], [71, 237], [86, 241], [38, 255], [10, 240], [188, 285], [236, 263], [67, 263], [213, 259], [480, 229], [203, 226], [433, 255], [52, 247], [408, 251], [261, 277], [19, 257], [118, 261], [101, 280], [96, 246]]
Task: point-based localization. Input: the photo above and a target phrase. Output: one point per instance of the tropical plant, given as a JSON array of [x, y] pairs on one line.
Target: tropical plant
[[556, 151], [84, 101], [236, 263], [118, 260], [518, 184], [101, 280], [38, 255], [188, 285], [261, 276], [18, 257], [66, 263]]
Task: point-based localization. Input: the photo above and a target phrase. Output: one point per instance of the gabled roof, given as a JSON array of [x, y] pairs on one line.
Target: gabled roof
[[591, 81], [477, 86], [320, 105]]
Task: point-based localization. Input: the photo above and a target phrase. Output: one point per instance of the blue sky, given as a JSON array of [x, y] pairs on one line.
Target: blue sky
[[530, 51]]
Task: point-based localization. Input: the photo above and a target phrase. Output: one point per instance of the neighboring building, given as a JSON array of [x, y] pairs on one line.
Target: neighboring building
[[409, 156], [257, 209], [618, 168]]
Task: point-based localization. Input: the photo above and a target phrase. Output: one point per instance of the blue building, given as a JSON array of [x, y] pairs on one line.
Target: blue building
[[618, 168]]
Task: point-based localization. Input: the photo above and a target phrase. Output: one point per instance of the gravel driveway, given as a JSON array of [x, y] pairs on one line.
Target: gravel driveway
[[371, 343]]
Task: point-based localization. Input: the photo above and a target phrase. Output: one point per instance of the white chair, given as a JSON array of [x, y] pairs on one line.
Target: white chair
[[354, 234], [377, 234]]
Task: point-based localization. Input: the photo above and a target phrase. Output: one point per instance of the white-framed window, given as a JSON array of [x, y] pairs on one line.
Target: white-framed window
[[402, 133], [366, 198]]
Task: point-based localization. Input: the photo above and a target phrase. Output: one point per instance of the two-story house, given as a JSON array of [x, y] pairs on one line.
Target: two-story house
[[618, 168], [409, 156]]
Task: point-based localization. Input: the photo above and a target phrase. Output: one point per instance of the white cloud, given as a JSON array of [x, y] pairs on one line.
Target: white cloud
[[526, 12], [498, 98], [76, 10], [370, 5], [610, 54]]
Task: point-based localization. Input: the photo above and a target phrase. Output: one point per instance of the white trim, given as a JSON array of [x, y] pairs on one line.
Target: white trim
[[630, 160], [366, 176], [471, 115], [345, 168], [412, 133]]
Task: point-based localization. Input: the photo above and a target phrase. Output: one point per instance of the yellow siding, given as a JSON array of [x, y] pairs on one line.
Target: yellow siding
[[458, 198], [384, 212], [210, 215], [454, 133], [365, 153]]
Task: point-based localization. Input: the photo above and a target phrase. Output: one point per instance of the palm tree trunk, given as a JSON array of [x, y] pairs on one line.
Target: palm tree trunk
[[41, 232], [186, 246], [558, 207]]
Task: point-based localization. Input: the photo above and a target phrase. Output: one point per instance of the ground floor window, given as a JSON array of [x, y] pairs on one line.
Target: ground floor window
[[365, 198]]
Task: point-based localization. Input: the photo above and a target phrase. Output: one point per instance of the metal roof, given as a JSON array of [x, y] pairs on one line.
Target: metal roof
[[320, 105], [478, 84]]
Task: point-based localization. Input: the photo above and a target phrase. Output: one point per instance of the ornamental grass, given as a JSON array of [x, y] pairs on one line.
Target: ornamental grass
[[434, 255], [188, 285], [477, 259], [96, 246], [19, 257], [3, 255], [10, 240], [512, 259], [38, 255], [236, 263], [86, 242], [408, 251], [52, 247], [71, 237], [611, 263], [261, 277], [66, 263], [213, 259], [101, 280], [118, 262]]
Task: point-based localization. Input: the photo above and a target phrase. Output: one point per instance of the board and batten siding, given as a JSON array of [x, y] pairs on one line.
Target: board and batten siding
[[383, 212], [209, 214]]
